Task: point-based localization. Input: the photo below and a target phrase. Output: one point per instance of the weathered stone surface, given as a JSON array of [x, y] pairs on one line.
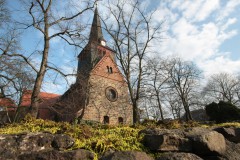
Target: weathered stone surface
[[35, 142], [232, 152], [179, 156], [231, 134], [8, 146], [167, 142], [13, 145], [62, 141], [126, 155], [210, 143], [57, 155]]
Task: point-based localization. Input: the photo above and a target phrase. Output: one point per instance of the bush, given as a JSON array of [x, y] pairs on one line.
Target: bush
[[222, 112]]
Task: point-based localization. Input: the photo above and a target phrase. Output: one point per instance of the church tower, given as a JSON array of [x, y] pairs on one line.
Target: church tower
[[100, 93]]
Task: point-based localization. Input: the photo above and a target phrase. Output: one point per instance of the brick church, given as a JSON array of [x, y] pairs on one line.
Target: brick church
[[100, 92]]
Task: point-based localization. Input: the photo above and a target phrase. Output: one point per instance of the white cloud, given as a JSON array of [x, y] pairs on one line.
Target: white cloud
[[196, 11], [189, 9], [228, 23], [194, 33], [206, 9], [227, 9], [219, 64]]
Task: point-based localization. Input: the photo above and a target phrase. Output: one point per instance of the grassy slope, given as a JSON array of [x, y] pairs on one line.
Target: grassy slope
[[97, 138]]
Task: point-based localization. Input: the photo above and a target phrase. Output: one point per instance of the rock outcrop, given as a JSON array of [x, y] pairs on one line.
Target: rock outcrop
[[33, 145], [177, 144], [79, 154], [178, 156], [126, 155], [193, 143]]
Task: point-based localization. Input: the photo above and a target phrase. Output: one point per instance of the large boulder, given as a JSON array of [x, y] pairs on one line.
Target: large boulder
[[13, 145], [232, 152], [126, 155], [230, 133], [8, 146], [178, 156], [167, 142], [35, 142], [79, 154], [62, 142], [209, 143]]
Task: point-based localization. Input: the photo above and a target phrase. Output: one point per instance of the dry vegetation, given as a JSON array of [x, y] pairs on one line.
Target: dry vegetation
[[99, 138]]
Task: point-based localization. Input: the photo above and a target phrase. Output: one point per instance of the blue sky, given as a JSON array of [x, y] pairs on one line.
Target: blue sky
[[204, 31]]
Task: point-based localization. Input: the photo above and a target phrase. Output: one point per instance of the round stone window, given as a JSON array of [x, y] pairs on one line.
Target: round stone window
[[111, 94]]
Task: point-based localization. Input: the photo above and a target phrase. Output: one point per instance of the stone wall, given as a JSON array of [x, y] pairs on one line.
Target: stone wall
[[100, 106]]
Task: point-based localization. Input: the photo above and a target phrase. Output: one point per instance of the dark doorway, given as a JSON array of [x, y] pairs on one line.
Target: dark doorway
[[106, 120], [120, 120]]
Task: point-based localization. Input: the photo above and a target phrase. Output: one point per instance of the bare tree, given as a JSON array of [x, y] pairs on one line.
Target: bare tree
[[184, 79], [4, 12], [222, 86], [132, 29], [15, 75], [45, 16], [174, 104], [157, 82]]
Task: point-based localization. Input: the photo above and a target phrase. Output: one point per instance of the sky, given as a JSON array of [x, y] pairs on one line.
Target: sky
[[203, 31], [206, 32]]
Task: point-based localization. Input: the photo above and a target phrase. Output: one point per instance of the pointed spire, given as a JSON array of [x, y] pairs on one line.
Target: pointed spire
[[96, 30]]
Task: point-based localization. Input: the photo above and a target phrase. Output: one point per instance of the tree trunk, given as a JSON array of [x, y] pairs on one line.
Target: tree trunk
[[160, 107], [187, 111], [136, 118], [39, 79]]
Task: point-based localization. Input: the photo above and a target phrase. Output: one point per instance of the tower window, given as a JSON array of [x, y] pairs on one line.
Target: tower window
[[106, 120], [120, 120], [109, 69]]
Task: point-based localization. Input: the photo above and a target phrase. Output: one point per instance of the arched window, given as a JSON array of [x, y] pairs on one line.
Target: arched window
[[111, 71], [120, 120], [108, 70], [106, 120]]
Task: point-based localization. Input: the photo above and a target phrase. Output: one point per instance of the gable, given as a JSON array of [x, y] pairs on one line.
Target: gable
[[107, 68]]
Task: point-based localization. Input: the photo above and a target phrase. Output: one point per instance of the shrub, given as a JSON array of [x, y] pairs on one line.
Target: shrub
[[222, 112]]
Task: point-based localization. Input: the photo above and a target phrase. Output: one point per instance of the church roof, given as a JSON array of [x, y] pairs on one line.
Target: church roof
[[96, 30], [7, 102], [47, 99]]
